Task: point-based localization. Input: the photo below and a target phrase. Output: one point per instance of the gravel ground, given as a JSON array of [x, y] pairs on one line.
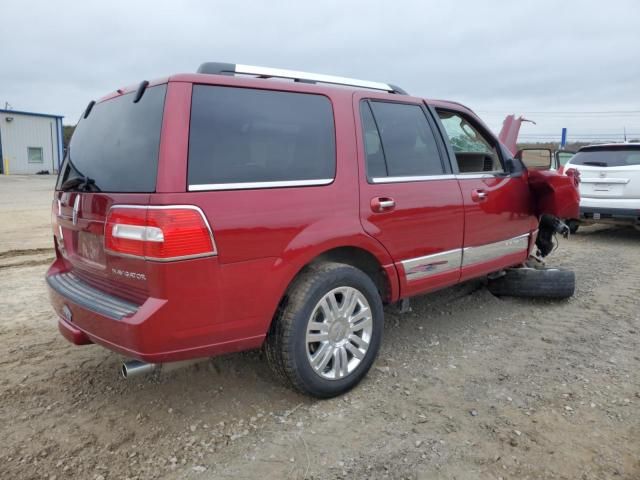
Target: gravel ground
[[467, 385]]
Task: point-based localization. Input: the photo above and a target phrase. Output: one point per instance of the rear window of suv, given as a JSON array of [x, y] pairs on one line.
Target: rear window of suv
[[616, 157], [117, 145], [249, 138]]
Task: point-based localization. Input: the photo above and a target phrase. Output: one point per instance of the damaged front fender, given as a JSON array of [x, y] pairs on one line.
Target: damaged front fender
[[554, 194]]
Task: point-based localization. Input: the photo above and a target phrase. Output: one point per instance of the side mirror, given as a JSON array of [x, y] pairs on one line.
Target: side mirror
[[535, 158]]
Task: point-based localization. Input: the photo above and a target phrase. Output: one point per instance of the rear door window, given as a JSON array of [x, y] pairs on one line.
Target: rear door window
[[249, 138], [116, 146], [399, 141]]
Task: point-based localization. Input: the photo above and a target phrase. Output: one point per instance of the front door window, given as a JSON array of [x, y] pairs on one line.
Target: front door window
[[475, 153]]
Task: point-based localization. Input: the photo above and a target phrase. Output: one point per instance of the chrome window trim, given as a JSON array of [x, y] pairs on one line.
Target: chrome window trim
[[437, 263], [164, 207], [256, 185], [420, 178], [476, 176], [491, 251]]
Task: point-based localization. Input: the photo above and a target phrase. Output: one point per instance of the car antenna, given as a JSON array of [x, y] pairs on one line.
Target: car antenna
[[141, 88], [87, 110]]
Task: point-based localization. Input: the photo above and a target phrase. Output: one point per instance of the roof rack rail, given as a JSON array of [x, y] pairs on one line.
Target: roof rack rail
[[219, 68]]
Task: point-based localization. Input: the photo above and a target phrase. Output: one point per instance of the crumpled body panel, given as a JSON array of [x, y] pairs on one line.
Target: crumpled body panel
[[555, 194]]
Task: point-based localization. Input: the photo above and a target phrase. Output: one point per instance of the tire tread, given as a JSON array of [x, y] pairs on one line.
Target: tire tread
[[535, 283], [279, 356]]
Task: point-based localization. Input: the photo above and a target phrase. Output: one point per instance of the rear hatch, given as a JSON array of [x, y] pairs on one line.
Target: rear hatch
[[112, 159], [609, 171]]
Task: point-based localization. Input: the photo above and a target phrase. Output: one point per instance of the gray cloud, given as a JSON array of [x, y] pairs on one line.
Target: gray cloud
[[520, 57]]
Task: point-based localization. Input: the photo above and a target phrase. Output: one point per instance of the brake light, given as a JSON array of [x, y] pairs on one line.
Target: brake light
[[158, 233], [575, 174]]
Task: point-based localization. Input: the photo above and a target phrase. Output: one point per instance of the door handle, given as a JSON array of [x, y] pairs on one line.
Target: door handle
[[382, 204], [479, 195]]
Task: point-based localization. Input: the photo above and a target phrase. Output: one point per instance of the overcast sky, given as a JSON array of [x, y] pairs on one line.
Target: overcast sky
[[517, 57]]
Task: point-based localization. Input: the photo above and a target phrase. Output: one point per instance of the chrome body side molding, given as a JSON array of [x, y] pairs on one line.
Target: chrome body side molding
[[421, 267], [429, 265], [490, 251]]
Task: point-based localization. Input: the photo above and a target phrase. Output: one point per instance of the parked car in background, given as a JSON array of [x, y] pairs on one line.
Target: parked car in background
[[243, 206], [609, 183], [560, 159]]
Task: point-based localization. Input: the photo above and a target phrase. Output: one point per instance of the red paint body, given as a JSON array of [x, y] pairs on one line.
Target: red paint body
[[264, 237]]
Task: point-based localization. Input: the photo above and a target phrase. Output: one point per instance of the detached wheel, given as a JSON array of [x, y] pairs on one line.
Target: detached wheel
[[536, 283], [326, 336]]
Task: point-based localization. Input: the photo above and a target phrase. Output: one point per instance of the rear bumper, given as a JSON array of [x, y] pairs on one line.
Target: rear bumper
[[73, 334], [159, 330], [79, 292], [610, 215], [610, 210], [632, 204]]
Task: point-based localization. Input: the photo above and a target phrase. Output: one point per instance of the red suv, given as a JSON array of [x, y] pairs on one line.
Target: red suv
[[221, 211]]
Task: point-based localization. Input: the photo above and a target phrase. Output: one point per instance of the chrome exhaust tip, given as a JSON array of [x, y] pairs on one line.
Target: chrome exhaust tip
[[134, 368]]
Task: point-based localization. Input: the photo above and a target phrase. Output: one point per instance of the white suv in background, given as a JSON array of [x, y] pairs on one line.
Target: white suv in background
[[609, 183]]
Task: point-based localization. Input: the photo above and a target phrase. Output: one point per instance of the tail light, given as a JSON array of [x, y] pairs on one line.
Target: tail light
[[575, 174], [158, 233]]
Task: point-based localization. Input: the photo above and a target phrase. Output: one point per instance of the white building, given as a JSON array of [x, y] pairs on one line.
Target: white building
[[30, 142]]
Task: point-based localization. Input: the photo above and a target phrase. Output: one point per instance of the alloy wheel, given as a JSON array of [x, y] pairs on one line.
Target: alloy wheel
[[339, 333]]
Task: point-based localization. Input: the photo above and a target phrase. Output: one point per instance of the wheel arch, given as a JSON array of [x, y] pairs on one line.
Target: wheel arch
[[359, 258], [374, 262]]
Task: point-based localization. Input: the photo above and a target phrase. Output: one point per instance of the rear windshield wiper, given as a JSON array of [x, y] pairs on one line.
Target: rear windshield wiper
[[595, 164], [80, 183]]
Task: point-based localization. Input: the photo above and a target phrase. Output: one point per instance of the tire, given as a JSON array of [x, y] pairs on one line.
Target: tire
[[330, 303], [573, 226], [534, 283]]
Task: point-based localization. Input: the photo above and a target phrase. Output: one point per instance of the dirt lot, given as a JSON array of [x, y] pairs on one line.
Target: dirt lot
[[466, 386]]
